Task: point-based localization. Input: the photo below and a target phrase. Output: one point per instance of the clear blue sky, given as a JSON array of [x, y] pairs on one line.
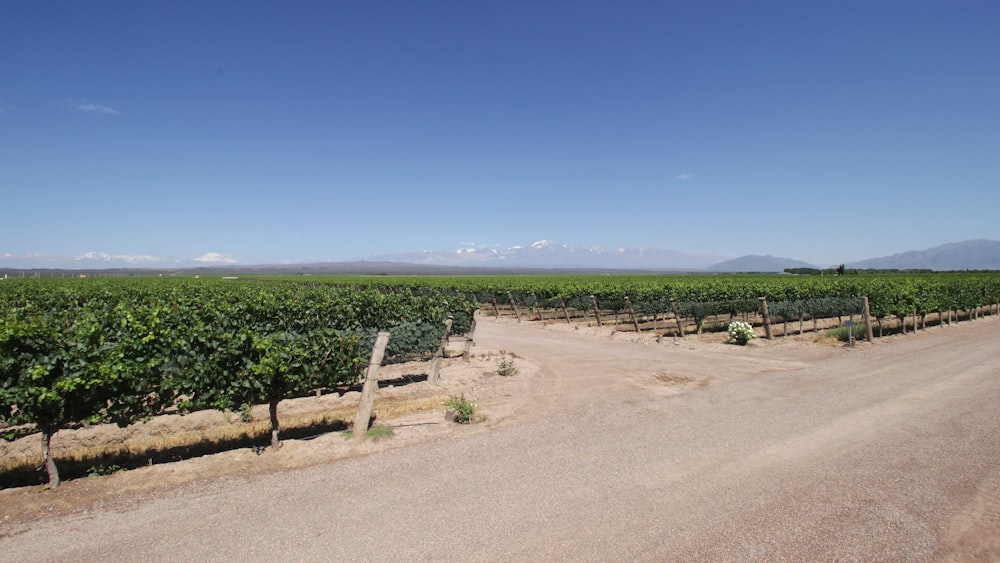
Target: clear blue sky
[[267, 132]]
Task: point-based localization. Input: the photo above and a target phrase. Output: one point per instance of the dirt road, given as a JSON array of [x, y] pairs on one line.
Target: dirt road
[[629, 451]]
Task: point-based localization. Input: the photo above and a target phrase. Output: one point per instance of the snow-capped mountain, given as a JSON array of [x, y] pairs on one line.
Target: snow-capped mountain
[[550, 254]]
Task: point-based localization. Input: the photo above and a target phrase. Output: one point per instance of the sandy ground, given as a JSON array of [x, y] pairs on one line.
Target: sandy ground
[[605, 446]]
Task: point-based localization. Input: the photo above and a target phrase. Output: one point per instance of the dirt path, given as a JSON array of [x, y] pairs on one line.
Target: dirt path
[[606, 448]]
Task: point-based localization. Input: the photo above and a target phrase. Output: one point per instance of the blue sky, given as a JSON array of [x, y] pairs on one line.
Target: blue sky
[[266, 132]]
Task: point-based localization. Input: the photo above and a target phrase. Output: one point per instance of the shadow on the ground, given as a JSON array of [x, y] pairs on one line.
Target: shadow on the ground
[[97, 465]]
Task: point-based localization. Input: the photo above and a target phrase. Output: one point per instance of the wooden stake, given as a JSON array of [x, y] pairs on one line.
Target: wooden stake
[[631, 314], [510, 297], [677, 317], [371, 384], [597, 312], [866, 313], [850, 331], [467, 352], [432, 376], [766, 317]]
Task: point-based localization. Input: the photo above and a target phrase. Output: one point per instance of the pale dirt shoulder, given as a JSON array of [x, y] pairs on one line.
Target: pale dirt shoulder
[[406, 403], [415, 411]]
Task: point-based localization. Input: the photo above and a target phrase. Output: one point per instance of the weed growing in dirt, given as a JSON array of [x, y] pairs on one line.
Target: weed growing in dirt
[[246, 412], [375, 433], [506, 366], [101, 470], [843, 333], [464, 409], [379, 432]]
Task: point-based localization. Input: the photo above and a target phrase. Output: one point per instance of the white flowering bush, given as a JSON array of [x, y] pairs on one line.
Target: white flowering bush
[[740, 332]]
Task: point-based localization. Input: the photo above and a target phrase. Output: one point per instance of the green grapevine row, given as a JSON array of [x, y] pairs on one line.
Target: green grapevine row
[[87, 351], [890, 295]]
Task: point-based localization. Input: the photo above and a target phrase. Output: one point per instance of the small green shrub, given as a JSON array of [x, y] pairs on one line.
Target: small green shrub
[[464, 409], [379, 432], [506, 366], [101, 470], [843, 333], [740, 333], [246, 412]]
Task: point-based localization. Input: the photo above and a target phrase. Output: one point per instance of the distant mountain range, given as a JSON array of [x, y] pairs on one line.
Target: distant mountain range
[[968, 255], [550, 257], [978, 254], [756, 263], [549, 254]]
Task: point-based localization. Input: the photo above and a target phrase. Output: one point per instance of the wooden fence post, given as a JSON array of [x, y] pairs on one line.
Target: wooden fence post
[[631, 314], [510, 298], [766, 317], [850, 330], [597, 312], [538, 310], [371, 384], [496, 308], [432, 376], [867, 313], [562, 304], [677, 317], [467, 352]]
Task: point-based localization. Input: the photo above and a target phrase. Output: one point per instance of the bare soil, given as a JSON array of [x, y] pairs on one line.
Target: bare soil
[[605, 445], [175, 449]]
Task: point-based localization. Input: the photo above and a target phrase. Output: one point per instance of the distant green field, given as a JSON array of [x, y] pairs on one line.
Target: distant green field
[[889, 294]]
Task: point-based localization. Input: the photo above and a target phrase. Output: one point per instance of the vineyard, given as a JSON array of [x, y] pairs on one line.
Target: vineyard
[[75, 352], [120, 351], [676, 305]]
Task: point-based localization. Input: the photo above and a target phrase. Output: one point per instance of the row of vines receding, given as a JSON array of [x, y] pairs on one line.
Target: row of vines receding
[[119, 351], [893, 298]]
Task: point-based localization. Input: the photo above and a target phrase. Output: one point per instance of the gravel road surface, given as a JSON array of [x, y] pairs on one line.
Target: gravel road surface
[[630, 451]]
